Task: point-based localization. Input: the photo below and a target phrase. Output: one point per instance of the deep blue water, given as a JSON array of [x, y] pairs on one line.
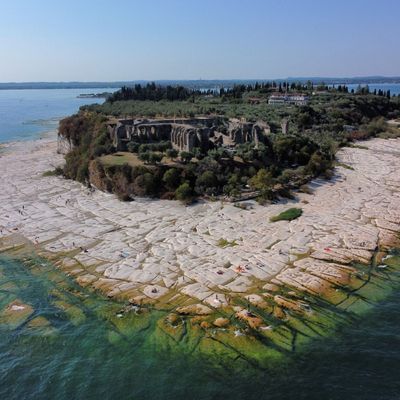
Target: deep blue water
[[28, 114]]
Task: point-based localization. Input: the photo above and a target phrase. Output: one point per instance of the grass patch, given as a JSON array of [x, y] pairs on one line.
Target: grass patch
[[226, 243], [392, 134], [121, 158], [288, 215], [339, 164], [358, 146], [54, 172]]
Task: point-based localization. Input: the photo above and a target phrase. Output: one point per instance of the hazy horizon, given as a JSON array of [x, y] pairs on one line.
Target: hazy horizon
[[208, 79], [45, 41]]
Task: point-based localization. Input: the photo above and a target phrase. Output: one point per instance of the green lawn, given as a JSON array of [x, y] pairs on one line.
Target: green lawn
[[132, 159], [121, 158]]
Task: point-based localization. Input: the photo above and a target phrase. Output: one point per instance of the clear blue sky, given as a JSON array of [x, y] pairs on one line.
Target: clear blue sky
[[108, 40]]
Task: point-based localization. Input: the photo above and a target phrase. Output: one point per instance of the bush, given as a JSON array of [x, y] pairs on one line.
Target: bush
[[172, 153], [155, 158], [82, 174], [171, 178], [184, 193], [146, 184], [262, 180], [206, 182], [54, 172], [186, 156], [133, 147], [376, 126], [288, 215], [226, 243]]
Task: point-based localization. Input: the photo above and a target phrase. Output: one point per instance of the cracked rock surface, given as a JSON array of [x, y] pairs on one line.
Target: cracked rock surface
[[150, 249]]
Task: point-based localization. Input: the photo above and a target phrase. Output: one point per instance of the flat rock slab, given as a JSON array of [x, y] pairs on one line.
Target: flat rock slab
[[154, 246]]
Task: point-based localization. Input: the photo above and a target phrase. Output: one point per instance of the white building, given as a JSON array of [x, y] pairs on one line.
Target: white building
[[284, 98]]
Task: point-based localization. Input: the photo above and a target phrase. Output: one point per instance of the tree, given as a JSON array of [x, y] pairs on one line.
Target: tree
[[172, 153], [206, 182], [133, 147], [184, 193], [232, 187], [145, 157], [186, 156], [171, 178], [154, 157], [318, 163], [197, 153], [146, 184], [262, 180]]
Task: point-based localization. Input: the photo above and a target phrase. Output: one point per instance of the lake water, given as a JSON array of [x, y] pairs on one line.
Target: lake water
[[393, 87], [28, 114], [73, 347], [82, 353]]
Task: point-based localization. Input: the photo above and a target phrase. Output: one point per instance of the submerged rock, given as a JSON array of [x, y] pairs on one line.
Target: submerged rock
[[194, 309], [15, 314], [221, 322]]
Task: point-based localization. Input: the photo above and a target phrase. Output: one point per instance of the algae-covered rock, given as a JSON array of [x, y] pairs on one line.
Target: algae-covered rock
[[279, 313], [221, 322], [38, 322], [205, 325], [15, 314], [85, 280], [252, 320], [194, 309], [290, 304], [73, 313]]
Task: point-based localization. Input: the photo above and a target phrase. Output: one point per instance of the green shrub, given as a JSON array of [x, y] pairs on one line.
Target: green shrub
[[171, 178], [226, 243], [184, 193], [54, 172], [288, 215]]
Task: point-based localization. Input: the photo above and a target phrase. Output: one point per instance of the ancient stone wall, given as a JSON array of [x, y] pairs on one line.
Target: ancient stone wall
[[186, 134]]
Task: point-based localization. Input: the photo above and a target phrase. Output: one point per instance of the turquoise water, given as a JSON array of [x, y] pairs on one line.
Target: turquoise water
[[28, 114], [84, 354]]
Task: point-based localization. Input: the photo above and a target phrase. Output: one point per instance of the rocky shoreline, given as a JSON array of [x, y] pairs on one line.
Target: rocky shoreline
[[270, 285]]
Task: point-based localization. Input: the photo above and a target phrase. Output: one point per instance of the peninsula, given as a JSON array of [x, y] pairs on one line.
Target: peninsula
[[259, 279]]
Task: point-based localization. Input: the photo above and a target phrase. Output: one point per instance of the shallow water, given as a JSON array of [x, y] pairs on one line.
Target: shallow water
[[86, 352], [28, 114]]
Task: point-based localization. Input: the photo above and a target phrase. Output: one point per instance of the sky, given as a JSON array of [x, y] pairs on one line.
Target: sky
[[104, 40]]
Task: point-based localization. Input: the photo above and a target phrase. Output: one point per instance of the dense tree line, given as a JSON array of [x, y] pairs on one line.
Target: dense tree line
[[331, 119], [152, 92]]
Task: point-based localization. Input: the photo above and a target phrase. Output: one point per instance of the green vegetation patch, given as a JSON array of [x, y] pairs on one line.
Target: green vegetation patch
[[226, 243], [343, 165], [288, 215], [121, 158], [54, 172], [358, 146]]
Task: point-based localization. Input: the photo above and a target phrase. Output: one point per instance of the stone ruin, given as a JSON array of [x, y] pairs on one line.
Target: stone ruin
[[187, 133]]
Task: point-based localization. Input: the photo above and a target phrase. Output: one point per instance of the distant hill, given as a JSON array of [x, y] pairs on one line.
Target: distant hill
[[195, 84]]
